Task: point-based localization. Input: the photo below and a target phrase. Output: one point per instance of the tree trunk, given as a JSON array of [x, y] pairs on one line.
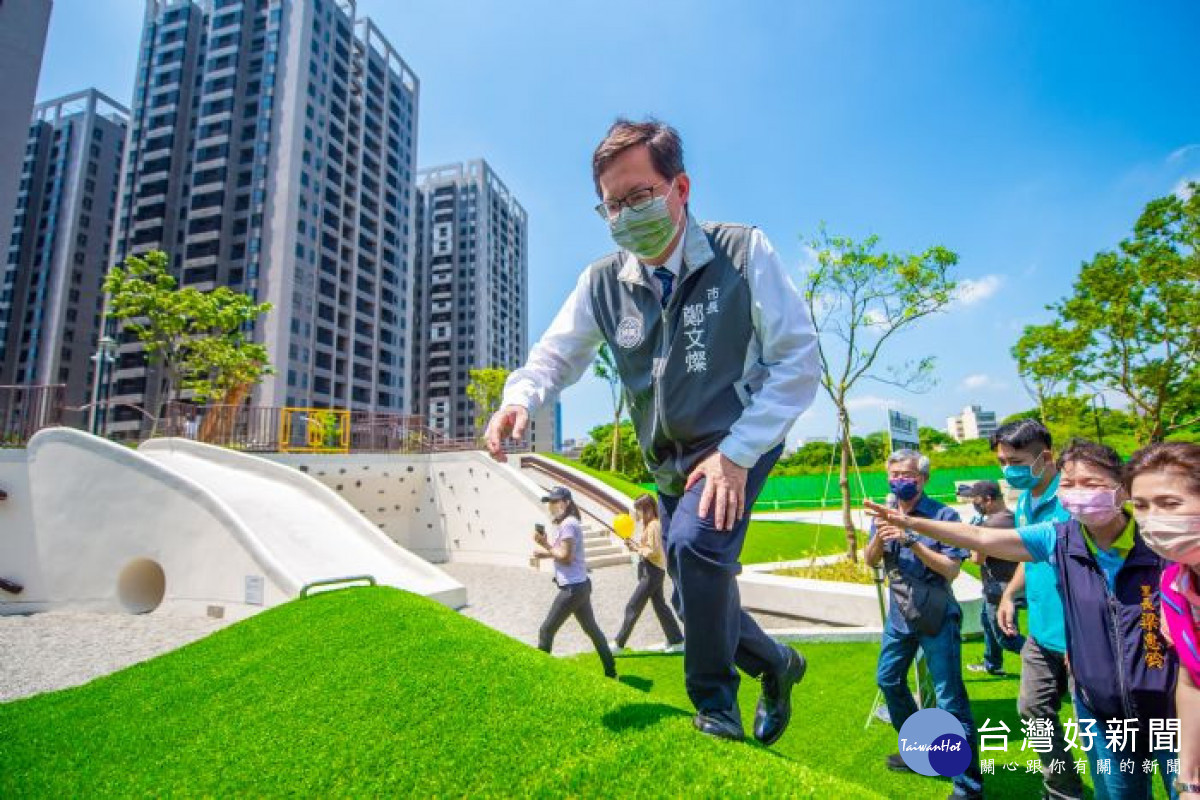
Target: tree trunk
[[616, 442], [164, 390], [844, 485]]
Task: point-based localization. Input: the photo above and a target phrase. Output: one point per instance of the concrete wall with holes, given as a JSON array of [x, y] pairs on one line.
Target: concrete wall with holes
[[444, 507]]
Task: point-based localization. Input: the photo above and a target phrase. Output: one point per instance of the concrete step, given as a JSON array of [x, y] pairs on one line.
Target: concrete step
[[607, 550], [608, 561]]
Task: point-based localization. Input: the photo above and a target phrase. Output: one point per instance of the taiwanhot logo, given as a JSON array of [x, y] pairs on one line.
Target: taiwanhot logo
[[933, 742]]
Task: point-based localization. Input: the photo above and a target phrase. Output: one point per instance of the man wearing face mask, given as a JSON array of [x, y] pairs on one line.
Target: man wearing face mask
[[1109, 583], [991, 512], [1023, 449], [718, 357], [922, 612]]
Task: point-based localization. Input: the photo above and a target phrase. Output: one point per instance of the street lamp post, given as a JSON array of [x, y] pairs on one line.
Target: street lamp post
[[104, 356]]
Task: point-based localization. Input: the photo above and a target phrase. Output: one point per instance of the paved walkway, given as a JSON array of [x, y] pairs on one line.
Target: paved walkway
[[57, 649], [514, 600]]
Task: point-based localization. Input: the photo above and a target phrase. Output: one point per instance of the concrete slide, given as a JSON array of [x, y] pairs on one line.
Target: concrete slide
[[183, 527], [308, 530]]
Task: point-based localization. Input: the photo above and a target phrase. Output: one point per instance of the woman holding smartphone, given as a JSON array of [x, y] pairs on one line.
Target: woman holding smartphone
[[564, 545]]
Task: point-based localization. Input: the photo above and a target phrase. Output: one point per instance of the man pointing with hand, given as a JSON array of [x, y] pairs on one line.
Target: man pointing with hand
[[718, 357]]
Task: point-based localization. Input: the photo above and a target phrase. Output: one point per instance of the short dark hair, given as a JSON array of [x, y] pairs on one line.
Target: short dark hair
[[1182, 458], [1097, 455], [1022, 433], [663, 142]]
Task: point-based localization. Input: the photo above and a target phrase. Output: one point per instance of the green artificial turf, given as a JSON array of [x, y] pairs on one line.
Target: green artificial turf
[[610, 479], [832, 704], [789, 541], [374, 692]]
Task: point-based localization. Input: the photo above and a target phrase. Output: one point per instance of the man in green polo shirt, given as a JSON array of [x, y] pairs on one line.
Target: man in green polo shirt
[[1023, 449]]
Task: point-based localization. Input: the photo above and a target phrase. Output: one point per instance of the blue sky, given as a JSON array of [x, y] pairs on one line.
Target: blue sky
[[1023, 135]]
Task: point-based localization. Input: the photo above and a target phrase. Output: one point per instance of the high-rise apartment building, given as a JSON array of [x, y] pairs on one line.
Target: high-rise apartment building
[[62, 229], [272, 150], [471, 289], [22, 41]]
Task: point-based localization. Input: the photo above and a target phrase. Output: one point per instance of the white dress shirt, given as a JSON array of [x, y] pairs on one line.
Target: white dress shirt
[[785, 342]]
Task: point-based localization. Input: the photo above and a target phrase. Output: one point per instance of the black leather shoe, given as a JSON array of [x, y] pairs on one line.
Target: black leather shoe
[[774, 710], [895, 762], [718, 726]]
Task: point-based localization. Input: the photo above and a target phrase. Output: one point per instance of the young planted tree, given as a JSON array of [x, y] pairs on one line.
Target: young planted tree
[[1130, 325], [196, 340], [485, 389], [859, 300], [605, 368]]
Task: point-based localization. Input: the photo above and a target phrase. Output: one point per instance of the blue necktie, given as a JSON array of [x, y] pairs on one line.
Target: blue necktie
[[667, 279]]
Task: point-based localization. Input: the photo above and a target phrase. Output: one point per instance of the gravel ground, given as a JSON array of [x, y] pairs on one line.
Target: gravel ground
[[57, 649], [514, 600]]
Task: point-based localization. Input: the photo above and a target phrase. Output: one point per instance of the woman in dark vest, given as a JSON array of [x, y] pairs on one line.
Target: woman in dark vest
[[1109, 582]]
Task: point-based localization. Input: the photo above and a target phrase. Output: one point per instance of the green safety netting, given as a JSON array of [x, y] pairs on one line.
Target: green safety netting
[[812, 491]]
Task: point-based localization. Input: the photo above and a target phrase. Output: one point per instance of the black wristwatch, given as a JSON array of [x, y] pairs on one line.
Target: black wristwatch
[[910, 538]]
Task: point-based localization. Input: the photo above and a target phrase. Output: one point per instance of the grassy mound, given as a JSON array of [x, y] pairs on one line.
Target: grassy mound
[[375, 692]]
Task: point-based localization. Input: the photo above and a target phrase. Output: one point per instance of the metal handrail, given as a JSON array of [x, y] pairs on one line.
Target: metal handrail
[[308, 587]]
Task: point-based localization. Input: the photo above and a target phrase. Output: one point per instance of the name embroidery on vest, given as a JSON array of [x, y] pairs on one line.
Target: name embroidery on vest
[[1149, 626]]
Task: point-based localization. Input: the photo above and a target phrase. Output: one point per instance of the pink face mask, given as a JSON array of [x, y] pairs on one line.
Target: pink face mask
[[1090, 506]]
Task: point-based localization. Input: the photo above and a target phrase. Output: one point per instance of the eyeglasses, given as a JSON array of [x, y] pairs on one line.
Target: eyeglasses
[[637, 200]]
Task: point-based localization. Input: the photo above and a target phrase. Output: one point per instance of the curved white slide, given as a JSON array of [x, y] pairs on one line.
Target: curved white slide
[[179, 527], [303, 526]]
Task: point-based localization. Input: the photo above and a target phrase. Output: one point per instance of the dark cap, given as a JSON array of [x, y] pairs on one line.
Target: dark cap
[[984, 489], [560, 493]]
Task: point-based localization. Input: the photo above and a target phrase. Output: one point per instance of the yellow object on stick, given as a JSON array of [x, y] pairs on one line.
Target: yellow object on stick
[[623, 525]]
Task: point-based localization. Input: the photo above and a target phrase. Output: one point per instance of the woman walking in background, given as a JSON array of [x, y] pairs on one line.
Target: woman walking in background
[[652, 570], [565, 546]]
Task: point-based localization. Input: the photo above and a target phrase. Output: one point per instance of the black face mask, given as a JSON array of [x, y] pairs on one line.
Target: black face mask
[[979, 509]]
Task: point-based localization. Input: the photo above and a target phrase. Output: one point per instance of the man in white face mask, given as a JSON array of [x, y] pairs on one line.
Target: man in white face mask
[[717, 357]]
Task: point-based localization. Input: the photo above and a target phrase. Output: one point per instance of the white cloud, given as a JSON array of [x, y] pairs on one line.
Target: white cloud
[[868, 402], [971, 291], [1180, 153], [874, 317], [981, 381], [1181, 189]]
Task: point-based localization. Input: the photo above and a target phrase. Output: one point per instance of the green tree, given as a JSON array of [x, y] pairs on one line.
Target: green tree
[[630, 462], [1130, 325], [877, 444], [221, 358], [196, 340], [932, 439], [605, 368], [859, 300], [486, 389]]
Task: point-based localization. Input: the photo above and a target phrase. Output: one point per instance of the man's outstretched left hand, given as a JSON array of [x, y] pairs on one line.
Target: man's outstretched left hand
[[724, 489]]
